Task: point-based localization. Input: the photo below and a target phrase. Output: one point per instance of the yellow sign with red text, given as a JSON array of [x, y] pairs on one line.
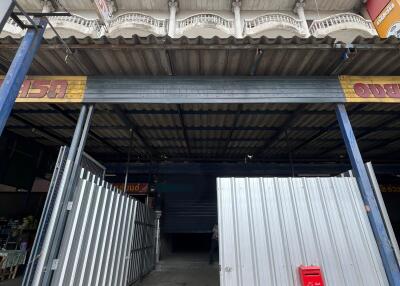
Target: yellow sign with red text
[[371, 88], [388, 22], [52, 89]]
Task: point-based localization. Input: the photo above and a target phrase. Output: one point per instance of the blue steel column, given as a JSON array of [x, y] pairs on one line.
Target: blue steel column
[[16, 74], [374, 215]]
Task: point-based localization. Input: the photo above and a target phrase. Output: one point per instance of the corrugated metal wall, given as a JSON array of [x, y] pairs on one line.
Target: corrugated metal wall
[[270, 226], [213, 90], [189, 204]]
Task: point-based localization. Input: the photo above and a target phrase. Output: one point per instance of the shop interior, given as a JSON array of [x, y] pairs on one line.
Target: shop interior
[[171, 155]]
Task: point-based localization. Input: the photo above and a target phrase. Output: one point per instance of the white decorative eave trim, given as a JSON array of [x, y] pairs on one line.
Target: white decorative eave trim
[[88, 27], [132, 20], [273, 21], [342, 21], [207, 20], [73, 23]]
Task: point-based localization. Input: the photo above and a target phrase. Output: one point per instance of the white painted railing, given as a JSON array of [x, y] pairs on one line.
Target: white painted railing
[[323, 27], [134, 20], [205, 20], [272, 21], [89, 27]]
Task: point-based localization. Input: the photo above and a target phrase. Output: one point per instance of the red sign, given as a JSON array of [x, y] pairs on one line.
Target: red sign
[[58, 89], [363, 90], [375, 7], [136, 188], [42, 88], [311, 276]]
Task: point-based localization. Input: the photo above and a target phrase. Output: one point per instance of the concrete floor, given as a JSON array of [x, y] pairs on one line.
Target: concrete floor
[[14, 282], [184, 270]]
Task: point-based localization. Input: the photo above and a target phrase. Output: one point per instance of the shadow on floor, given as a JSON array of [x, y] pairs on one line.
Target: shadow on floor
[[184, 269]]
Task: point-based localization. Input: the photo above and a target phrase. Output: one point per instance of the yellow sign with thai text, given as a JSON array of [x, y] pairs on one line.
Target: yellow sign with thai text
[[388, 22], [52, 89], [371, 88]]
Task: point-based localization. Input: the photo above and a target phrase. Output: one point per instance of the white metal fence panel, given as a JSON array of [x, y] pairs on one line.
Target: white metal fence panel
[[382, 208], [89, 164], [270, 226], [142, 254], [98, 238], [45, 218]]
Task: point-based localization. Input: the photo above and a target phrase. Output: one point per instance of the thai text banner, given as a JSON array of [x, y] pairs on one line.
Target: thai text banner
[[388, 22], [371, 88], [52, 89]]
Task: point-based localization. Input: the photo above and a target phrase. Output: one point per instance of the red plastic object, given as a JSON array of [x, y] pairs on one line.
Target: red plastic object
[[311, 276]]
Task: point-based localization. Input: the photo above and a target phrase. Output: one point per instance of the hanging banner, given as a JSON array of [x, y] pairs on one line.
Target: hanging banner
[[133, 188], [52, 89], [388, 22], [371, 88]]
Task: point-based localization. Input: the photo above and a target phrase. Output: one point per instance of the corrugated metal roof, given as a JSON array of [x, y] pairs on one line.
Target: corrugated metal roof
[[166, 56], [216, 56], [202, 5], [217, 132], [268, 227], [214, 131]]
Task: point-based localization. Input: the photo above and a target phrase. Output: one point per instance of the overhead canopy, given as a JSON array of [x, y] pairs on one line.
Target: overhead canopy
[[217, 132], [229, 56]]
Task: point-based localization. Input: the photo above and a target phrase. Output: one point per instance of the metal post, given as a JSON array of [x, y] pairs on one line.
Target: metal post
[[374, 215], [158, 239], [58, 202], [382, 207], [79, 152], [52, 238], [19, 67], [6, 8], [68, 192], [128, 160]]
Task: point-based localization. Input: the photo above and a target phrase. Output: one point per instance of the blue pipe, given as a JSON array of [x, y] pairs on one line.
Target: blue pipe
[[19, 67], [377, 224]]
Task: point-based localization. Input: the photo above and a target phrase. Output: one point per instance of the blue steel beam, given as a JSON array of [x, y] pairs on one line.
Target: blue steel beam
[[210, 112], [240, 169], [374, 215], [18, 70]]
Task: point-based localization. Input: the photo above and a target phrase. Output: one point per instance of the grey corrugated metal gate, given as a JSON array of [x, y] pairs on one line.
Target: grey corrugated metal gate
[[108, 239], [89, 164], [270, 226]]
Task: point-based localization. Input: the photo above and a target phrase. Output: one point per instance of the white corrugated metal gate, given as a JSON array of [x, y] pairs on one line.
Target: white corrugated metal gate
[[270, 226]]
